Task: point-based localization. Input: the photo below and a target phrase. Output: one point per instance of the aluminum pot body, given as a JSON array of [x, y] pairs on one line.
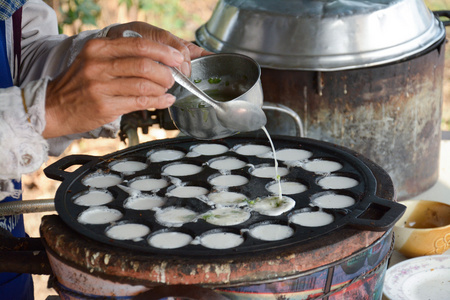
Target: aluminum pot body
[[226, 75], [390, 113]]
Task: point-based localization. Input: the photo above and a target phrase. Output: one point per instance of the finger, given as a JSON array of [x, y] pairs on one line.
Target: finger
[[133, 47], [135, 103], [135, 67], [196, 51], [177, 43], [130, 87]]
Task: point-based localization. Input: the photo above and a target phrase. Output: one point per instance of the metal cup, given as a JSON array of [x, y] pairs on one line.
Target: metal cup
[[224, 77]]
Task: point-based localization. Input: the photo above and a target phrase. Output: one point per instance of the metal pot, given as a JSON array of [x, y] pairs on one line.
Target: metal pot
[[321, 35], [349, 85], [228, 76]]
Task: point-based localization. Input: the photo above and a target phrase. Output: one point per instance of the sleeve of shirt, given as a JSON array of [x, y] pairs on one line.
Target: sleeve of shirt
[[45, 54]]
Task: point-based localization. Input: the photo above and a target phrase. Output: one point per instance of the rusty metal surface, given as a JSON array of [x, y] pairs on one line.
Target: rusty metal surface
[[125, 266], [32, 262], [22, 255], [390, 114]]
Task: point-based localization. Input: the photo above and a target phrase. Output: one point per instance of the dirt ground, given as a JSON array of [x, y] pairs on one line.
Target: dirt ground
[[38, 186]]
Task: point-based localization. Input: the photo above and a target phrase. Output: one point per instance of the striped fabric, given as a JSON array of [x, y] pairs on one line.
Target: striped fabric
[[8, 7]]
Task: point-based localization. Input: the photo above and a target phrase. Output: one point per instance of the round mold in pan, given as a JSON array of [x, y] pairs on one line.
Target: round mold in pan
[[370, 212]]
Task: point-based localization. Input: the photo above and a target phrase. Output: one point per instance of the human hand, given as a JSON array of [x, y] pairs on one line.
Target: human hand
[[188, 49], [109, 78]]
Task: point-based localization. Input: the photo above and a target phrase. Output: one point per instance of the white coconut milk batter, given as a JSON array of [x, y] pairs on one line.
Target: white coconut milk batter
[[269, 172], [288, 188], [210, 149], [182, 169], [166, 155], [312, 219], [175, 216], [271, 232], [129, 231], [333, 201], [252, 150], [227, 198], [128, 166], [148, 184], [188, 191], [102, 181], [273, 206], [143, 202], [322, 166], [337, 182], [293, 154], [169, 240], [227, 163], [228, 180], [226, 216], [99, 215], [221, 240], [94, 198]]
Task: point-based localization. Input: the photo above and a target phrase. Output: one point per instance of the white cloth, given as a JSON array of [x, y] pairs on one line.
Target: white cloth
[[45, 54]]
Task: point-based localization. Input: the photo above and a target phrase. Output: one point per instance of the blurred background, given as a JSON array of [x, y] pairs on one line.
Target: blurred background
[[182, 18]]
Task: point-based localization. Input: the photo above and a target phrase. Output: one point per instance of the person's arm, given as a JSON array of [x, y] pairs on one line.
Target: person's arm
[[79, 86]]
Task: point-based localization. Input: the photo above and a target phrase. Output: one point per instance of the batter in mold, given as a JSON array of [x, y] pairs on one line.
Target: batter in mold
[[145, 183], [101, 181], [127, 231], [181, 169], [226, 198], [221, 240], [265, 171], [251, 149], [128, 166], [93, 197], [273, 205], [287, 187], [187, 191], [322, 166], [165, 155], [99, 215], [226, 163], [169, 240], [144, 202], [226, 216], [228, 180], [312, 218], [271, 232], [337, 182], [333, 201], [209, 149], [175, 216], [293, 154]]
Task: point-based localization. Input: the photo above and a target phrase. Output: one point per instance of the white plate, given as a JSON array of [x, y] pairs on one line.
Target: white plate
[[420, 278]]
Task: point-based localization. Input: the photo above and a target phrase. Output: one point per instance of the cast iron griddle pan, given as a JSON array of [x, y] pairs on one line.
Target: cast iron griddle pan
[[370, 212]]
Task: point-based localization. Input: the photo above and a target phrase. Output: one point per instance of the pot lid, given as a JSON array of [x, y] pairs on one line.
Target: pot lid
[[319, 34]]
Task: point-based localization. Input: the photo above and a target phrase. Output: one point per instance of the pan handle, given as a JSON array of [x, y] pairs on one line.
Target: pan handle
[[57, 170], [443, 13], [379, 215]]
